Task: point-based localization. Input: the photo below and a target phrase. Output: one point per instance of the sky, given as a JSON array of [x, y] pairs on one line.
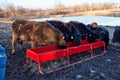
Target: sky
[[34, 4]]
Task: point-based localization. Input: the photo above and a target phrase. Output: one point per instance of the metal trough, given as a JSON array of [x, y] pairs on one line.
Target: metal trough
[[48, 53]]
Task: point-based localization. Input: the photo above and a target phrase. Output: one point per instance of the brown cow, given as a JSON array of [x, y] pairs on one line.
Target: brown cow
[[41, 33]]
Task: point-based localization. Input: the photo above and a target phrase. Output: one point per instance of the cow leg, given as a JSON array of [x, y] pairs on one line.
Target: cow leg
[[20, 45], [33, 44], [14, 39]]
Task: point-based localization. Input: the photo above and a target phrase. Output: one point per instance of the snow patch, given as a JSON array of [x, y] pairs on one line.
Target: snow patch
[[108, 60], [78, 76], [92, 71], [101, 20]]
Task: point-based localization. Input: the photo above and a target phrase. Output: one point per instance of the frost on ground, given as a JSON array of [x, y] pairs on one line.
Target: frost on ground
[[101, 68]]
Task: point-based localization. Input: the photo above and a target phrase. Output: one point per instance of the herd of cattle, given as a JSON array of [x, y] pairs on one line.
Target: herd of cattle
[[55, 32]]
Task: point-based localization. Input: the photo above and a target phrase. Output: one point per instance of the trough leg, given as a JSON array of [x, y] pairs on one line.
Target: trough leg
[[68, 57], [39, 66], [91, 52], [27, 60], [68, 60], [104, 50], [40, 69]]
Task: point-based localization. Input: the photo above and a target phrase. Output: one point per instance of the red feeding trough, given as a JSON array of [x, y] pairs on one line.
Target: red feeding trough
[[48, 53]]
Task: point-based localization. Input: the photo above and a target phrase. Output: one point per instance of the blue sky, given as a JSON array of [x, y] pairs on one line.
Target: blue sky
[[51, 3]]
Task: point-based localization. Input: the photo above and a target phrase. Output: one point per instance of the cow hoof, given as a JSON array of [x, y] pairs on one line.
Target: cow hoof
[[21, 48], [13, 52]]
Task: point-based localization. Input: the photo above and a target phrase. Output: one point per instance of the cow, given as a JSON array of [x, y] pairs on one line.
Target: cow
[[66, 30], [101, 33], [69, 31], [85, 32], [32, 32], [116, 35]]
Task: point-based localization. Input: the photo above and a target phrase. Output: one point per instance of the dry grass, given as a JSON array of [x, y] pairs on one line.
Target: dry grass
[[12, 13], [109, 12], [4, 20]]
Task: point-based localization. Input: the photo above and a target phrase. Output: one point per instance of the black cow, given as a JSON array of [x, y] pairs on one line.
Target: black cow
[[85, 32], [69, 31], [100, 32], [116, 35]]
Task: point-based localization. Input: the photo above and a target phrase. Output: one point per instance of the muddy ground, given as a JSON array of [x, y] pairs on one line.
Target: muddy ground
[[105, 67]]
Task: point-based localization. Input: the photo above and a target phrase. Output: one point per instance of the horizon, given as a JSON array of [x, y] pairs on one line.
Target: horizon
[[42, 4]]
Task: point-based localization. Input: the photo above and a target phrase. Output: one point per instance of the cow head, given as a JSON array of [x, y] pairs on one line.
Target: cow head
[[94, 25]]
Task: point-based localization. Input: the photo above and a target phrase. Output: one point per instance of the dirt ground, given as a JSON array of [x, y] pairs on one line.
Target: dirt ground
[[105, 67]]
